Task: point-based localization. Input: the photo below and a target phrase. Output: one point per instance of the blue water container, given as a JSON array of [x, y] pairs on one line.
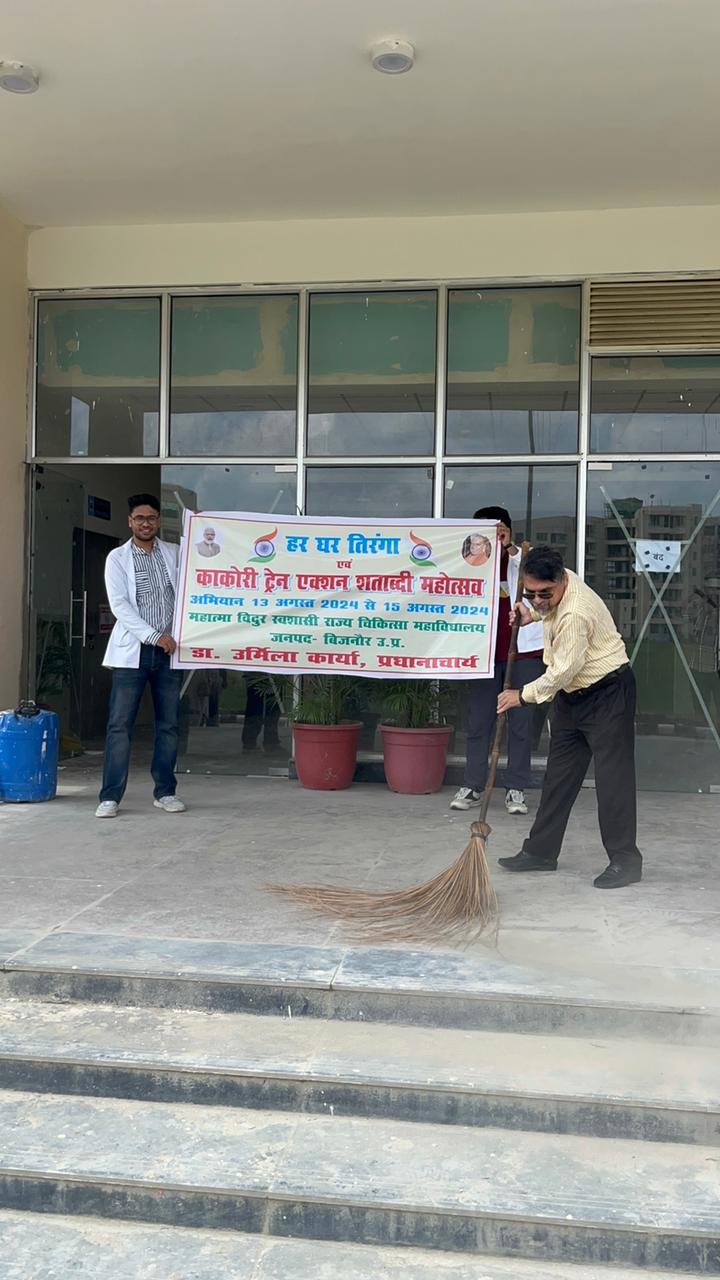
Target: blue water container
[[29, 740]]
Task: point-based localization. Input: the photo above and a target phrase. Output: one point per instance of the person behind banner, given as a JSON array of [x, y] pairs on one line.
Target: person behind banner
[[207, 545], [483, 694], [262, 714], [476, 549], [591, 685], [140, 579]]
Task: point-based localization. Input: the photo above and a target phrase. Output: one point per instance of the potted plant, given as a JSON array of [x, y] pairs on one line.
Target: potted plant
[[415, 743], [326, 743]]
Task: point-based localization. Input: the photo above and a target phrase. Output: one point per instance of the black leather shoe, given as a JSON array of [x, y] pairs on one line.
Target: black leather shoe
[[620, 873], [527, 862]]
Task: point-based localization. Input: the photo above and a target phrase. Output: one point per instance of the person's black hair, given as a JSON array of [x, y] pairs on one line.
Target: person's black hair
[[494, 513], [143, 500], [545, 564]]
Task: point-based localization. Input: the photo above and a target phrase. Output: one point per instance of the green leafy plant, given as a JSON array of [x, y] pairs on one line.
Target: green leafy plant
[[53, 664], [325, 699], [413, 704]]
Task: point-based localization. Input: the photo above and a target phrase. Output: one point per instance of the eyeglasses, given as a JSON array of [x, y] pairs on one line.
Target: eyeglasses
[[145, 519], [539, 595]]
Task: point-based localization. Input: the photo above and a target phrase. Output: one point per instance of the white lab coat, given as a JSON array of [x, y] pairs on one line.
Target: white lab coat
[[530, 638], [130, 631]]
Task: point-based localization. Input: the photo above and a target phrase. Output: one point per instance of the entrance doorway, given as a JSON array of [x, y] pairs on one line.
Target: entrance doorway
[[79, 516]]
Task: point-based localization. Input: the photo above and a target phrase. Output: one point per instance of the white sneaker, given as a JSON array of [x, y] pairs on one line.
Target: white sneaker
[[465, 798], [107, 809], [515, 802], [170, 804]]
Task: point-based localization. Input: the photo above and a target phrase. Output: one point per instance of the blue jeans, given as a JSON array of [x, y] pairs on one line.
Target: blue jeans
[[128, 686]]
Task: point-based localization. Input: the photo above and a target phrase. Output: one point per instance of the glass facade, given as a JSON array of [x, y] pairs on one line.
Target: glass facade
[[656, 404], [667, 617], [98, 377], [233, 376], [541, 499], [371, 384], [398, 402], [370, 492], [513, 371]]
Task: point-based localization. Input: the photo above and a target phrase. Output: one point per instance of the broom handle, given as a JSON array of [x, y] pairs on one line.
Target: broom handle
[[501, 720]]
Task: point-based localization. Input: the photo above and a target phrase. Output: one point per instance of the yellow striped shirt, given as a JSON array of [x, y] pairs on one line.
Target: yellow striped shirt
[[582, 643]]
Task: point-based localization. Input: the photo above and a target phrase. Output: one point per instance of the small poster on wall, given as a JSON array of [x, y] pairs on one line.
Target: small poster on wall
[[654, 556]]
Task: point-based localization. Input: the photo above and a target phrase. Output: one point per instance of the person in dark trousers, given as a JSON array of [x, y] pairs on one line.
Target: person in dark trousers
[[592, 686], [483, 694], [262, 714], [140, 579]]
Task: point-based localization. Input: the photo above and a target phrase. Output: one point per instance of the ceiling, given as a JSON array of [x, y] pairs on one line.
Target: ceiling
[[179, 111]]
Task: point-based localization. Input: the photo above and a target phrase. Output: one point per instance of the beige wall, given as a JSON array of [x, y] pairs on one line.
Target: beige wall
[[595, 242], [14, 346]]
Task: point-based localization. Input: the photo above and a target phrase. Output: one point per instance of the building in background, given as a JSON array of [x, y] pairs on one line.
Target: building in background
[[449, 317]]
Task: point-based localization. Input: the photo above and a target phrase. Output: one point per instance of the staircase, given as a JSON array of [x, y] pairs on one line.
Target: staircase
[[206, 1110]]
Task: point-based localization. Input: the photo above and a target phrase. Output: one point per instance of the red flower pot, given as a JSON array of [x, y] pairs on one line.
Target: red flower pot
[[325, 754], [415, 759]]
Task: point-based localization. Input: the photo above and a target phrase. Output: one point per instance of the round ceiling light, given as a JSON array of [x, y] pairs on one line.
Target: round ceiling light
[[392, 57], [18, 77]]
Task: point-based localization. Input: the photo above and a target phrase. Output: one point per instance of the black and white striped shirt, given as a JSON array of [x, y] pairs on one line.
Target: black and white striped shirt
[[154, 592]]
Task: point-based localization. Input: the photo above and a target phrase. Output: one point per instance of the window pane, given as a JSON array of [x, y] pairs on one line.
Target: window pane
[[375, 493], [655, 404], [234, 375], [541, 500], [664, 503], [98, 377], [372, 373], [219, 488], [513, 370]]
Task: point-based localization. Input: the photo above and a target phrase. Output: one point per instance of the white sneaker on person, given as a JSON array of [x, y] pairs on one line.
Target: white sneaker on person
[[465, 798], [107, 809], [515, 802], [170, 804]]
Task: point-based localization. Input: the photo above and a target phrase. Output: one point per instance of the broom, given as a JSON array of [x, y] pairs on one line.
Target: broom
[[460, 902]]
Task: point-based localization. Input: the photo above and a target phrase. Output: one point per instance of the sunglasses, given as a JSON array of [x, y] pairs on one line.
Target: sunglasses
[[539, 595]]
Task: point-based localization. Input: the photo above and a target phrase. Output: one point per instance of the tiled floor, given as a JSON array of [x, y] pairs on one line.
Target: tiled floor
[[201, 875]]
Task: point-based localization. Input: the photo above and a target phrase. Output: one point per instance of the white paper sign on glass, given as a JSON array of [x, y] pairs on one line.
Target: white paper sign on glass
[[655, 556]]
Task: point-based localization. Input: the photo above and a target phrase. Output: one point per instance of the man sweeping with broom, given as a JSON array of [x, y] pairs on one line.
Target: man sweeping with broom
[[592, 687]]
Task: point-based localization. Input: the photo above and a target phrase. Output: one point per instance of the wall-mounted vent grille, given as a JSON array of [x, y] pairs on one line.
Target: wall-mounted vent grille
[[673, 313]]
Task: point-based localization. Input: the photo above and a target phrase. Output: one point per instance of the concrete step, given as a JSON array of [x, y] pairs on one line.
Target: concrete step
[[470, 990], [42, 1247], [610, 1088], [459, 1190]]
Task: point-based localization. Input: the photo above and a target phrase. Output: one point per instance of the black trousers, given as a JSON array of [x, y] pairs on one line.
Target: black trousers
[[595, 723], [261, 713], [482, 717]]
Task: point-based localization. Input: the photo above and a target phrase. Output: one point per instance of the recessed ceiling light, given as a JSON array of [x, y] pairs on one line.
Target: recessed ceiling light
[[18, 77], [393, 57]]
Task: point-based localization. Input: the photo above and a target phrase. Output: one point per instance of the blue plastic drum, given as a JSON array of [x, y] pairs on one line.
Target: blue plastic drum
[[29, 741]]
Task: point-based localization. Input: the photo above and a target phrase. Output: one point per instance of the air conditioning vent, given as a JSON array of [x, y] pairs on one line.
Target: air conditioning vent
[[673, 313]]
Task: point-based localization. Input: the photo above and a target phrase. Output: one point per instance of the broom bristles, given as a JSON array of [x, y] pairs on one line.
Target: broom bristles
[[460, 900]]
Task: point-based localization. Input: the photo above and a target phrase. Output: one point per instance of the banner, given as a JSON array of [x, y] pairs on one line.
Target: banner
[[302, 595]]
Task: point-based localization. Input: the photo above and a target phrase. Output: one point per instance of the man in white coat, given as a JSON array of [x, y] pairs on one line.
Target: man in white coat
[[140, 578], [483, 694]]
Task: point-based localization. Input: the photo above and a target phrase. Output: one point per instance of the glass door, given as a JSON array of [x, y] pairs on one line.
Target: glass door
[[653, 553], [58, 609]]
